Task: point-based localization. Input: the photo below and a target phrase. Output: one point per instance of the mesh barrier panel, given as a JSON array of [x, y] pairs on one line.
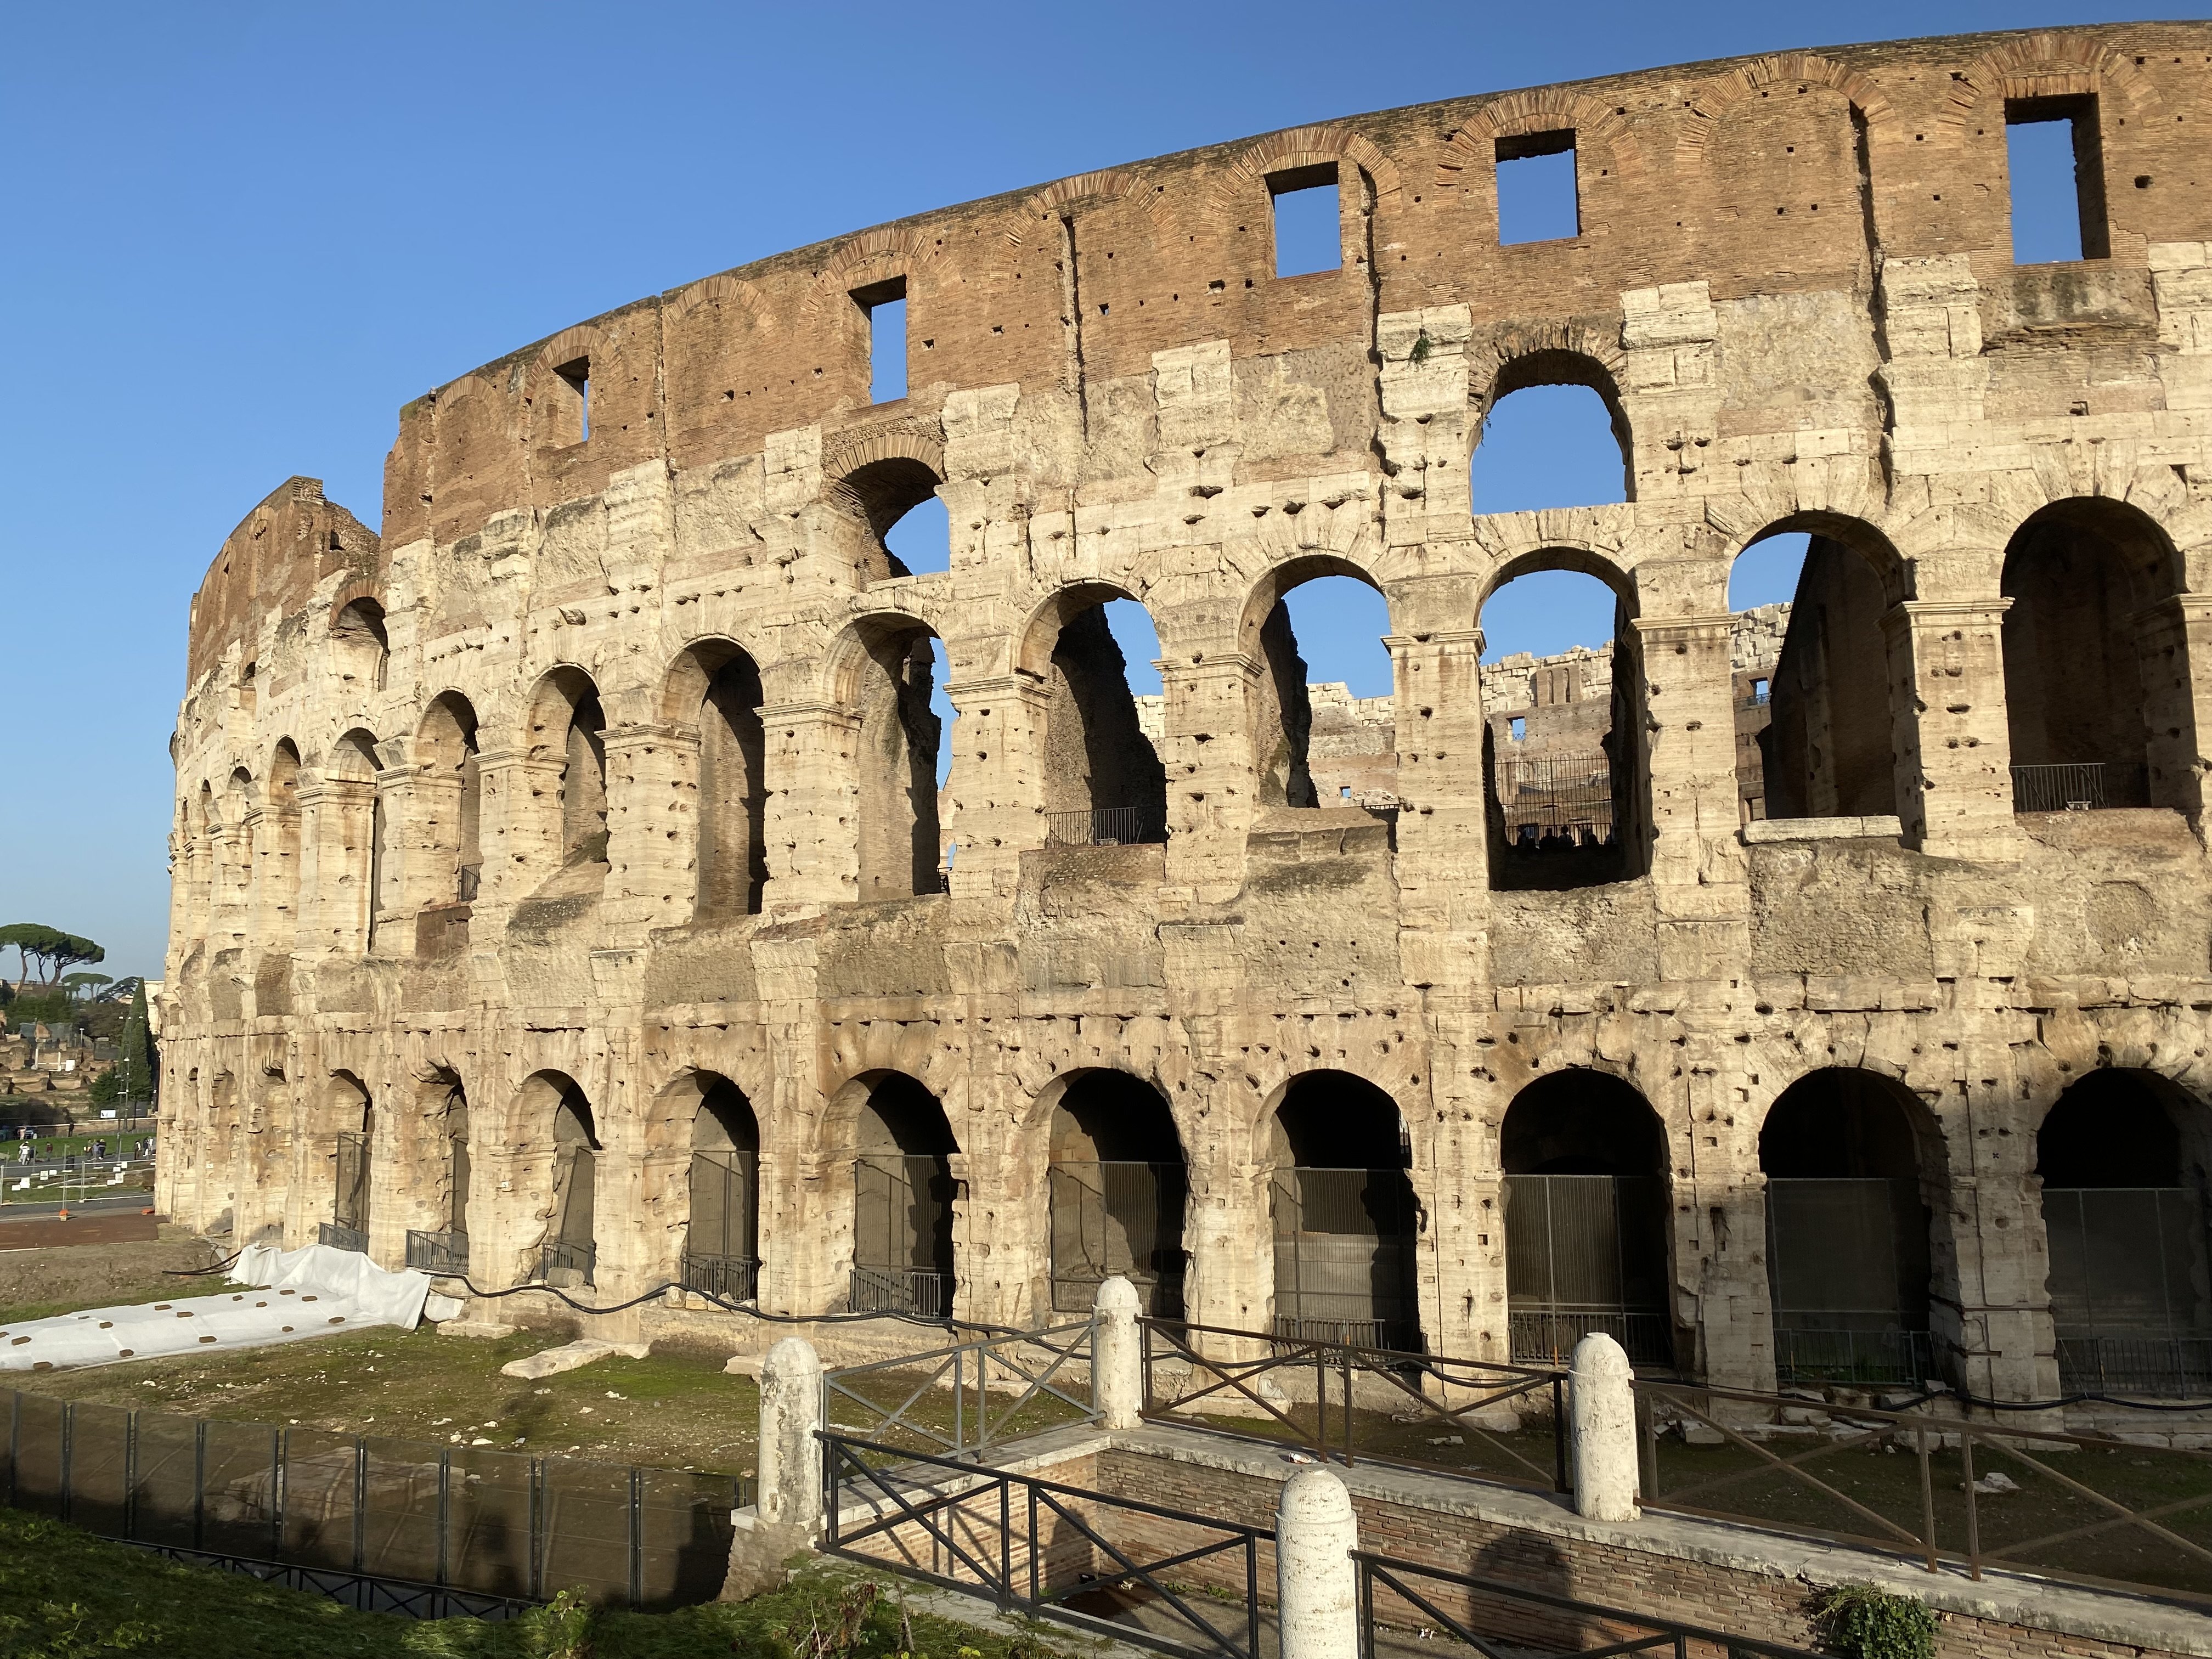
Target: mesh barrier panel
[[488, 1534], [587, 1529], [2129, 1288], [100, 1469], [400, 1516], [238, 1489], [685, 1531], [37, 1453], [1847, 1265], [165, 1501], [1117, 1218], [319, 1498], [1345, 1256]]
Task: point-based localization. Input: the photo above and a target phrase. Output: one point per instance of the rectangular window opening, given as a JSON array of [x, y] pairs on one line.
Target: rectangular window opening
[[1520, 728], [1537, 197], [2055, 161], [1308, 228], [577, 377], [884, 306]]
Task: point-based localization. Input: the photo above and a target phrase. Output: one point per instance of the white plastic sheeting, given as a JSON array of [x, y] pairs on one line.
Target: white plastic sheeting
[[293, 1295]]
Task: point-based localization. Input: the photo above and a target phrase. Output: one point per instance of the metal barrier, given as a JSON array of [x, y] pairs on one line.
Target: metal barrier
[[351, 1589], [1106, 826], [906, 1397], [339, 1237], [443, 1253], [994, 1532], [921, 1292], [558, 1255], [2171, 1366], [2086, 786], [1840, 1355], [401, 1513], [1495, 1616], [1970, 1494], [731, 1278], [1395, 1379]]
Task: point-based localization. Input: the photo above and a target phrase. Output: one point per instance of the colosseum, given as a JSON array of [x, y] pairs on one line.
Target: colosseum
[[565, 894]]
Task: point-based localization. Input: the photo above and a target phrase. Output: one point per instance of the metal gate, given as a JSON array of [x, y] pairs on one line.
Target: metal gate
[[2128, 1289], [1345, 1257], [1847, 1267], [1118, 1217], [348, 1227], [1587, 1253], [903, 1235], [721, 1248]]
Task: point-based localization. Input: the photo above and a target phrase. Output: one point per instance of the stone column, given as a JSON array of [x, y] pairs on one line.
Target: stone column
[[813, 831], [994, 797], [422, 839], [1117, 1357], [1953, 751], [519, 824], [1208, 709], [2173, 643], [1601, 1419], [790, 1465], [652, 829], [277, 879], [337, 819], [1316, 1583], [1444, 839], [1699, 876]]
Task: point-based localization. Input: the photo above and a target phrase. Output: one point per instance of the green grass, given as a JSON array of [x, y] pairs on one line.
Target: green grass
[[66, 1593], [127, 1296]]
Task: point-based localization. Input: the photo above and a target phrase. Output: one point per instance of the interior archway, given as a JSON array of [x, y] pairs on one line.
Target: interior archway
[[566, 726], [890, 682], [442, 1110], [1117, 1188], [1325, 725], [554, 1113], [349, 1121], [722, 1237], [903, 1194], [1347, 1221], [1103, 782], [445, 748], [717, 687]]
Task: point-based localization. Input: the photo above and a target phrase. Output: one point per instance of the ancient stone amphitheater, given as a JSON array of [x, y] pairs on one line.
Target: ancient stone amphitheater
[[563, 889]]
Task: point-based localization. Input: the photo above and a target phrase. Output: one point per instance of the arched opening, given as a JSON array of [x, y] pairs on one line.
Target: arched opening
[[1554, 436], [902, 1193], [721, 1240], [897, 750], [349, 1119], [569, 1253], [566, 726], [207, 825], [1346, 1224], [1326, 730], [445, 748], [235, 887], [1103, 782], [1559, 688], [904, 529], [1585, 1193], [2080, 706], [1847, 1252], [278, 880], [1815, 735], [359, 645], [2124, 1156], [717, 687], [444, 1107], [1117, 1187]]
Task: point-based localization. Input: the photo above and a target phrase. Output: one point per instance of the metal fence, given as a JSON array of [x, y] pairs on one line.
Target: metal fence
[[2130, 1289], [1847, 1267], [969, 1396], [2082, 787], [339, 1237], [1106, 826], [1345, 1257], [560, 1261], [920, 1292], [443, 1253], [408, 1515], [1122, 1218], [731, 1278], [902, 1235], [1556, 797], [1587, 1253]]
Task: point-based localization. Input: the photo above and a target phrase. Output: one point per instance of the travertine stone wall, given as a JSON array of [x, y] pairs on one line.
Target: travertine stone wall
[[1793, 285]]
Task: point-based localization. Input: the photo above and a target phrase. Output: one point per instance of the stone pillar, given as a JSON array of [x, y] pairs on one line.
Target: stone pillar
[[995, 798], [1207, 712], [422, 839], [1117, 1356], [652, 829], [337, 819], [2174, 640], [1316, 1583], [277, 879], [813, 803], [1699, 876], [790, 1465], [1953, 751], [1444, 839], [1602, 1428], [519, 824]]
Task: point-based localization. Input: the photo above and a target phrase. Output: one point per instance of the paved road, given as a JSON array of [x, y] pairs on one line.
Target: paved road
[[101, 1221]]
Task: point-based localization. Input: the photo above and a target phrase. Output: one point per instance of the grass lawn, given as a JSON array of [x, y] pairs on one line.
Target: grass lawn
[[65, 1592], [677, 1409]]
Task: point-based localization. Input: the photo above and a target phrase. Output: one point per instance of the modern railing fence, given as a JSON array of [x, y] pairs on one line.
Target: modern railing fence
[[731, 1278], [2091, 1509], [443, 1253], [2176, 1367], [1556, 797], [1106, 826], [966, 1398], [2087, 786], [1346, 1404], [918, 1293], [375, 1521], [562, 1262], [339, 1237]]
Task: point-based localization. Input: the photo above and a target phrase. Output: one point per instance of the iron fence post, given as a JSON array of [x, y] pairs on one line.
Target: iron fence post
[[959, 1432], [199, 1481], [130, 1475], [1647, 1448], [1366, 1608], [636, 1536], [1927, 1494], [1559, 1482], [1029, 1540], [69, 1447], [1321, 1403], [1346, 1354], [360, 1501], [1252, 1594], [1973, 1516], [445, 1508], [1005, 1544]]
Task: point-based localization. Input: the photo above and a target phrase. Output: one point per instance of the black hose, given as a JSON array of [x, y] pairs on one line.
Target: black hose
[[747, 1308]]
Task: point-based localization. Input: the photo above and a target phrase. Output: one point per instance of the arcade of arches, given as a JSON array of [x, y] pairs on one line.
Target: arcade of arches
[[620, 871]]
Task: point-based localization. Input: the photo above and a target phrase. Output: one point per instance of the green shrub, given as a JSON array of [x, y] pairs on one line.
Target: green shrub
[[1862, 1622]]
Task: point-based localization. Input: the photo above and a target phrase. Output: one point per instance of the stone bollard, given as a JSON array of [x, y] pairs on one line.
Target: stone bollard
[[1117, 1356], [1317, 1584], [790, 1465], [1602, 1427]]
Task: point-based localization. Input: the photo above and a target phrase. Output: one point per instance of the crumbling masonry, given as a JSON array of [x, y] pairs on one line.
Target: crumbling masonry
[[562, 883]]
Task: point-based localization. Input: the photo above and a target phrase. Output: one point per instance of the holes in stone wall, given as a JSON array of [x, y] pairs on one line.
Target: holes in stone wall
[[1537, 196], [1554, 436], [2054, 160], [1308, 234], [884, 305]]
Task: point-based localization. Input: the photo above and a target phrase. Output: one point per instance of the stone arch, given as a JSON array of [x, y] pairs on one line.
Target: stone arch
[[715, 687], [2045, 65], [344, 1131], [898, 1143], [450, 795], [881, 671], [1515, 365], [442, 1166], [277, 880], [726, 292], [1283, 714], [1306, 147], [873, 256], [565, 726], [361, 646], [1586, 1202], [705, 1144], [1347, 1219], [1103, 780], [1789, 73], [875, 480], [1117, 1187], [554, 1141]]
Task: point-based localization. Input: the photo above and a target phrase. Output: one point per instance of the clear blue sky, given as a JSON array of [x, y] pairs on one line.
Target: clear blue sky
[[239, 236]]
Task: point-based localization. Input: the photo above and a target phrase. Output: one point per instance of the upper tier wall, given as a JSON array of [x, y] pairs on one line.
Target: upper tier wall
[[1767, 175]]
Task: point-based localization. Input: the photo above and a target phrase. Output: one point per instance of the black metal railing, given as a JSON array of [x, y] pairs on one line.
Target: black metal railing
[[969, 1397], [339, 1237], [1547, 1336], [389, 1525], [1555, 799], [1493, 1615], [1847, 1357], [2080, 787], [445, 1254], [1011, 1538], [1106, 826], [731, 1278], [921, 1292], [470, 882], [2163, 1366], [574, 1264]]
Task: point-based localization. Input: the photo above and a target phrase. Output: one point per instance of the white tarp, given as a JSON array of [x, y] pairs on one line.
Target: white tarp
[[293, 1295]]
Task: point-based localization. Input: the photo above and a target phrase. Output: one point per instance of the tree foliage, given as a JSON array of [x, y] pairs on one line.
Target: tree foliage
[[55, 949]]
